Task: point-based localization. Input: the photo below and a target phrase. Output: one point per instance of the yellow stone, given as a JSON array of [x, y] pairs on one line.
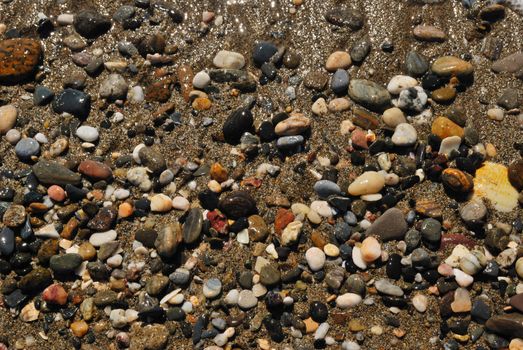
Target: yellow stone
[[491, 182], [444, 127]]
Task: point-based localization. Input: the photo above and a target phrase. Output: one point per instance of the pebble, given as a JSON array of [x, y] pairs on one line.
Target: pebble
[[326, 188], [370, 249], [449, 144], [293, 125], [340, 82], [339, 105], [27, 148], [420, 302], [65, 264], [87, 133], [161, 203], [114, 87], [429, 33], [404, 135], [515, 174], [7, 241], [19, 58], [360, 50], [390, 225], [74, 102], [473, 212], [348, 300], [386, 287], [369, 94], [412, 99], [444, 127], [192, 227], [345, 17], [319, 107], [212, 288], [369, 182], [91, 24], [338, 60], [13, 136], [416, 65], [201, 80], [229, 60], [237, 204], [451, 66], [246, 300], [495, 114], [511, 63], [262, 52], [238, 122], [100, 238], [315, 258], [509, 99], [398, 83], [8, 114], [461, 301], [394, 116]]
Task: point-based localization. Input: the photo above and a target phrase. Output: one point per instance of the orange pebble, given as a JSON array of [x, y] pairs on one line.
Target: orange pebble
[[56, 193], [125, 210], [79, 328]]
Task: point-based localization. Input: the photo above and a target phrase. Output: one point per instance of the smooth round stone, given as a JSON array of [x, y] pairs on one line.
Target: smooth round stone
[[180, 203], [404, 135], [415, 64], [444, 94], [394, 116], [399, 83], [232, 297], [236, 124], [369, 94], [8, 114], [451, 66], [348, 300], [345, 17], [294, 125], [315, 258], [237, 204], [319, 107], [322, 208], [74, 102], [340, 82], [289, 142], [192, 228], [360, 50], [444, 127], [420, 302], [331, 250], [515, 174], [7, 241], [318, 311], [339, 105], [449, 144], [495, 114], [413, 99], [26, 148], [63, 264], [474, 211], [212, 288], [201, 80], [13, 136], [114, 87], [247, 300], [338, 60], [263, 52], [160, 203], [87, 133], [462, 279], [229, 60], [369, 182], [511, 63], [100, 238], [386, 287], [429, 33], [370, 249], [431, 230], [91, 24], [326, 188]]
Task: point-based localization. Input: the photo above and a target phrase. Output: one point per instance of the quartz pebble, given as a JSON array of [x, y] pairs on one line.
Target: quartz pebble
[[338, 60], [404, 135], [315, 258], [399, 83], [369, 182], [229, 60], [8, 114]]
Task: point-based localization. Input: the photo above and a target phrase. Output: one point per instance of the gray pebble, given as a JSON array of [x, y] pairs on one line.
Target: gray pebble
[[26, 148]]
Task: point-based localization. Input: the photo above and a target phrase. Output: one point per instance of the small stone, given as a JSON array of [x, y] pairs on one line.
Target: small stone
[[315, 258], [293, 125], [461, 301], [87, 133], [339, 105], [360, 50], [338, 60], [201, 80], [74, 102], [91, 24], [247, 300], [316, 80], [369, 182], [319, 107], [345, 17], [262, 52], [238, 122], [415, 64], [413, 99], [495, 114], [27, 148], [443, 127], [429, 33], [473, 212], [390, 225], [7, 241], [348, 300], [8, 114], [444, 94], [238, 204], [160, 203], [192, 227], [229, 60], [95, 170], [511, 64], [449, 144], [420, 302], [270, 275], [399, 83], [515, 174], [100, 238], [114, 87], [369, 94], [394, 116], [79, 328], [457, 180], [340, 82], [370, 249], [386, 287], [65, 264], [451, 66], [404, 135], [19, 59], [55, 294], [153, 159], [509, 99]]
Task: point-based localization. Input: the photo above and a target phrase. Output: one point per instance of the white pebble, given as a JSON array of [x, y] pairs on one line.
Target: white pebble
[[87, 133]]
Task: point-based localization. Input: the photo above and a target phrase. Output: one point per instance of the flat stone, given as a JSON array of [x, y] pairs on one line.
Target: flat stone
[[415, 64], [95, 170], [511, 64], [404, 135], [247, 300], [238, 204], [509, 325], [212, 288], [52, 173], [340, 82], [236, 124], [8, 114], [229, 60], [27, 148], [168, 239], [390, 225], [19, 59], [386, 287], [91, 24], [369, 182], [451, 66], [369, 94], [429, 33], [338, 60], [74, 102], [114, 87], [64, 264], [345, 17], [192, 228]]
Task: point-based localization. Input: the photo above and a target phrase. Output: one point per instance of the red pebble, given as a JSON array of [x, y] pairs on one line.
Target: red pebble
[[453, 239], [359, 139], [55, 294], [283, 218], [95, 170], [56, 193], [218, 221]]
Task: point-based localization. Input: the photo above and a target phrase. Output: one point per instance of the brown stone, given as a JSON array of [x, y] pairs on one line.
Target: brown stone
[[283, 218], [457, 180], [218, 172], [317, 239], [19, 59], [201, 104], [185, 77], [364, 119], [429, 208], [444, 127], [515, 174], [95, 170], [158, 92], [444, 94]]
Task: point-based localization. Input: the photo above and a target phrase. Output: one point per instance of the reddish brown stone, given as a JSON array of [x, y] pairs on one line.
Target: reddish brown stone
[[158, 92], [359, 139], [283, 218], [55, 294], [185, 77], [453, 239], [19, 59], [95, 170], [364, 119]]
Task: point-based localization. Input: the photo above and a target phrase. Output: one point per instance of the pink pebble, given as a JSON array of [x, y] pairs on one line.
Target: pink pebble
[[445, 270], [56, 193]]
